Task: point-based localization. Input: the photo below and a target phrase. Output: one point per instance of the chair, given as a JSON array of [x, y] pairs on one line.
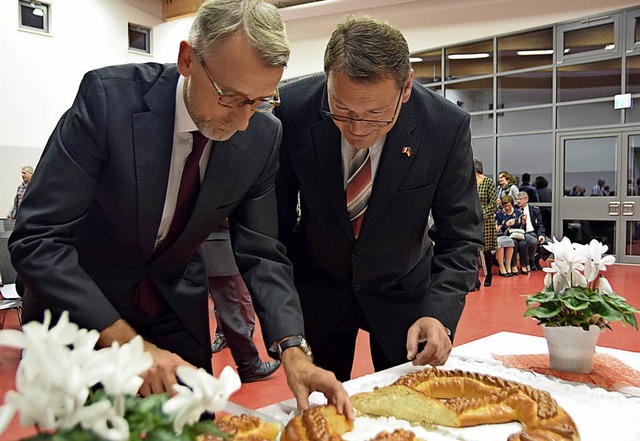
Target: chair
[[7, 277], [10, 305]]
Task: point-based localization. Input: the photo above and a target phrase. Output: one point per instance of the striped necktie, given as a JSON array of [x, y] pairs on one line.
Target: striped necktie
[[358, 188]]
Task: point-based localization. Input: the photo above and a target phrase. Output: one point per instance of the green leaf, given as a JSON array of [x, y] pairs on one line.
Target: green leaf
[[575, 303]]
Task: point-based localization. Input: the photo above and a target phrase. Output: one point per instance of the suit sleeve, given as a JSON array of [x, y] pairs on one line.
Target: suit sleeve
[[60, 193], [261, 257], [457, 233]]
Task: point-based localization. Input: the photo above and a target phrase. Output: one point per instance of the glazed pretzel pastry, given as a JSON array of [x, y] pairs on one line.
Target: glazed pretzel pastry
[[244, 428], [324, 423], [461, 399]]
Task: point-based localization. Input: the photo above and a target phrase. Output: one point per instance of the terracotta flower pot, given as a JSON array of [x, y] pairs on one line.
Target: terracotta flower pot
[[571, 348]]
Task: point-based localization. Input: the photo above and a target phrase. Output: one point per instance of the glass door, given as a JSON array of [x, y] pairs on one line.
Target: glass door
[[630, 201], [600, 193]]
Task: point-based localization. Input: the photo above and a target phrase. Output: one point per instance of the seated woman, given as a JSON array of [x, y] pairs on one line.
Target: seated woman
[[507, 217]]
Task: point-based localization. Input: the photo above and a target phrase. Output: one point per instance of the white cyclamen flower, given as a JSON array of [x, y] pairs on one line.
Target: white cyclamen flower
[[604, 287], [202, 393], [50, 386], [594, 259]]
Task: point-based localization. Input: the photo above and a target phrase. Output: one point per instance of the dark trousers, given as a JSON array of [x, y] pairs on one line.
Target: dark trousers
[[226, 292], [336, 351]]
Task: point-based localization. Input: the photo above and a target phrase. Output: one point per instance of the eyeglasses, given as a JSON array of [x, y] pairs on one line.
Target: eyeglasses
[[234, 101], [369, 122]]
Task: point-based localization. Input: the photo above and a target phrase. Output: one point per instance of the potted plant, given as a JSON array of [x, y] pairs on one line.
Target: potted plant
[[56, 389], [577, 303]]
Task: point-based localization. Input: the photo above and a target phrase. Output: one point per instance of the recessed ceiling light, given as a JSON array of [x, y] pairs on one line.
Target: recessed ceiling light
[[415, 59], [536, 52], [468, 56]]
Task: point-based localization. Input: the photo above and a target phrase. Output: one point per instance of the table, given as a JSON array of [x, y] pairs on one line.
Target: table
[[599, 414]]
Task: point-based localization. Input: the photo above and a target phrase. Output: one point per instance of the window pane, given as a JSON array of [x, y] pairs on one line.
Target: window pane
[[481, 125], [525, 50], [483, 150], [594, 38], [633, 74], [590, 80], [472, 96], [633, 169], [632, 241], [429, 69], [584, 115], [469, 60], [526, 89], [531, 154], [588, 161], [525, 121], [582, 231]]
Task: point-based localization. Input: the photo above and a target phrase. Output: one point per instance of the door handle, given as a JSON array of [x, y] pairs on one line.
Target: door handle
[[627, 208], [614, 208]]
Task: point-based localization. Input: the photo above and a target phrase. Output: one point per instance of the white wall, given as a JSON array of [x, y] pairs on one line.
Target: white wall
[[40, 74]]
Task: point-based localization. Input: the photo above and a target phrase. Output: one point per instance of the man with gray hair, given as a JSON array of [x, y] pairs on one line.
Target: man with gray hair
[[26, 172], [535, 233], [371, 154], [146, 163]]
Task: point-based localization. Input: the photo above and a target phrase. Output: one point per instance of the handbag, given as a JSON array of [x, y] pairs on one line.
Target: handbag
[[516, 233]]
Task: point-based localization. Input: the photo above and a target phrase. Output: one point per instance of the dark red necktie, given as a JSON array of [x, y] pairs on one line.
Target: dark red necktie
[[148, 296]]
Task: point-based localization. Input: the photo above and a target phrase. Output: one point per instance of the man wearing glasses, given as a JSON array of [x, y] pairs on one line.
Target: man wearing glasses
[[146, 163], [370, 154]]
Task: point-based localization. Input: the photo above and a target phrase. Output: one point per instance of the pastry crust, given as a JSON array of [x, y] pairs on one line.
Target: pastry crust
[[321, 423], [245, 428], [460, 399], [396, 435]]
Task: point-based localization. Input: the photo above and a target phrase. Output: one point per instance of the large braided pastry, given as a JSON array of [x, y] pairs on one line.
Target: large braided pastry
[[461, 399]]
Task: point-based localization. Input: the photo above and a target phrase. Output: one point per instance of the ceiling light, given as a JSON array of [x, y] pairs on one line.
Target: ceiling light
[[38, 12], [415, 59], [567, 50], [468, 56], [609, 47], [536, 52]]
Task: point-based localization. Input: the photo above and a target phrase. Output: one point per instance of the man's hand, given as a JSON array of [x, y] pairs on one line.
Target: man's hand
[[438, 347], [304, 377], [161, 376]]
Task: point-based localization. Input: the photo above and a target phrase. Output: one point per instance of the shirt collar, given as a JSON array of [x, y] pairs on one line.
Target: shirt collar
[[183, 121]]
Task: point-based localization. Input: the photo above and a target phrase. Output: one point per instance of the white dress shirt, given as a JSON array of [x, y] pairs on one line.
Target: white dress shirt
[[183, 125]]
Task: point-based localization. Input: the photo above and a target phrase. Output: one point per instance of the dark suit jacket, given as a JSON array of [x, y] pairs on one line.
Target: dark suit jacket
[[536, 221], [87, 227], [394, 270]]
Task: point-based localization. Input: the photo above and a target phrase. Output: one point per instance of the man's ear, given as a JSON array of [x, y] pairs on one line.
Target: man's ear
[[406, 94], [186, 58]]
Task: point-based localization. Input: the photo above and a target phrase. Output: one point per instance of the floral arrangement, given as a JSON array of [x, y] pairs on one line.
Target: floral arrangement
[[57, 389], [575, 291]]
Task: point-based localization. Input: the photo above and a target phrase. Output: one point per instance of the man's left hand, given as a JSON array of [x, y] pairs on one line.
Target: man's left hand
[[304, 377], [438, 347]]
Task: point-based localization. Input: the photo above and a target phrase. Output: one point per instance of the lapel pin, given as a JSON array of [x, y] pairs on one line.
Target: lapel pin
[[407, 151]]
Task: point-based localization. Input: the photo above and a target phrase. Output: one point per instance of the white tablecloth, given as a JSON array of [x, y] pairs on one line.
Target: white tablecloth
[[599, 414]]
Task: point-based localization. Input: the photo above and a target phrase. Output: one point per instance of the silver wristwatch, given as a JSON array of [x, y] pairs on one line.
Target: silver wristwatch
[[287, 342]]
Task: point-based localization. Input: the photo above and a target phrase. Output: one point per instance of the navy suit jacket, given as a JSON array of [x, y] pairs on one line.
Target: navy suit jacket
[[396, 270], [87, 227], [536, 221]]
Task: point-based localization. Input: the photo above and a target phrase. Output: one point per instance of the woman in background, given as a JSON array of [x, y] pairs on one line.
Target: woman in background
[[508, 217], [487, 195]]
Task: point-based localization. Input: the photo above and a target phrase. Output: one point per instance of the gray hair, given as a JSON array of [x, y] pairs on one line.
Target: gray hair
[[260, 21], [28, 169], [477, 164], [368, 50], [522, 195]]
